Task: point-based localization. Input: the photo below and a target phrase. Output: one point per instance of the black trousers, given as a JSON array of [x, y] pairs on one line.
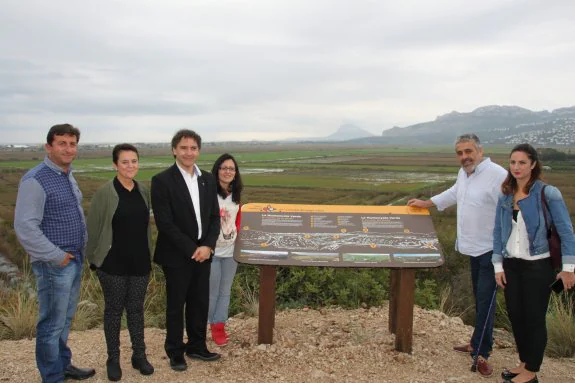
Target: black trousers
[[527, 297], [187, 295], [124, 292]]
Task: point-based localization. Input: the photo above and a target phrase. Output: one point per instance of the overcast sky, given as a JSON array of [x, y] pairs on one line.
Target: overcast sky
[[138, 70]]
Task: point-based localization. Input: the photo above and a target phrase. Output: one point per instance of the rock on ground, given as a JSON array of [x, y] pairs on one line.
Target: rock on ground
[[327, 345]]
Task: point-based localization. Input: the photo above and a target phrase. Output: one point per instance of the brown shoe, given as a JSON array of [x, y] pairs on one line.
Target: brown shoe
[[484, 368], [465, 348]]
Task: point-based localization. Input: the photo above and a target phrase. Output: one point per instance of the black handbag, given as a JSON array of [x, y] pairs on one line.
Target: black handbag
[[552, 235]]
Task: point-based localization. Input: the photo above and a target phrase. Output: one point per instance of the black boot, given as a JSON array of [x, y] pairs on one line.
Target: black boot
[[141, 363], [114, 369]]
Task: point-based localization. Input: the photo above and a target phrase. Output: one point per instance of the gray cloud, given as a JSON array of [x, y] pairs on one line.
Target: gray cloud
[[260, 70]]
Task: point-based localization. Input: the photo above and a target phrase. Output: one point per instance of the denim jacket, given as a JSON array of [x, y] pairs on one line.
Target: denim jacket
[[532, 211]]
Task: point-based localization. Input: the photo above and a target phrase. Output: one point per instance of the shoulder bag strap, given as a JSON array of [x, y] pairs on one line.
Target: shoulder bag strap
[[545, 207]]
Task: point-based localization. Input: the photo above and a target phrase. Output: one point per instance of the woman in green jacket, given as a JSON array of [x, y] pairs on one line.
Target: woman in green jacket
[[119, 250]]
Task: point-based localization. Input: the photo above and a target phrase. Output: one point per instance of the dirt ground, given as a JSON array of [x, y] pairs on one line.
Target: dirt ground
[[331, 345]]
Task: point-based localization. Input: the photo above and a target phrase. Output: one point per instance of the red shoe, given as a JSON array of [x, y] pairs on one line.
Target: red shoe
[[218, 334], [224, 331]]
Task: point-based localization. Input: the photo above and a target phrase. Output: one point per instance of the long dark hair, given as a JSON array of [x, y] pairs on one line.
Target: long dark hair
[[509, 186], [236, 186]]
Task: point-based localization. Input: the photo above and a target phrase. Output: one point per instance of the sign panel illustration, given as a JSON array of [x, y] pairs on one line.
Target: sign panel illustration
[[337, 236]]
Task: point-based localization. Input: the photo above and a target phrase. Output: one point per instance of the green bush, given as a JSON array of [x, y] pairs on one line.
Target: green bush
[[316, 286], [426, 294]]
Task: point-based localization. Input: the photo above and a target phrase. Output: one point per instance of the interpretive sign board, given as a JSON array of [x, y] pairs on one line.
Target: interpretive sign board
[[337, 236], [398, 237]]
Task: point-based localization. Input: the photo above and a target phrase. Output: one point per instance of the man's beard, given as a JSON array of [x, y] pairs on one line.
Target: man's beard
[[469, 166]]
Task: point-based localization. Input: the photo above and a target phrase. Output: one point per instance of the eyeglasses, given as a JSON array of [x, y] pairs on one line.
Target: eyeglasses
[[226, 169]]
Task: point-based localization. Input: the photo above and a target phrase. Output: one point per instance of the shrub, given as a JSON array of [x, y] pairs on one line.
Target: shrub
[[316, 287], [426, 294]]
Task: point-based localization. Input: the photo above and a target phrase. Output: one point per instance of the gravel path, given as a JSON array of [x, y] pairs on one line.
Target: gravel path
[[329, 345]]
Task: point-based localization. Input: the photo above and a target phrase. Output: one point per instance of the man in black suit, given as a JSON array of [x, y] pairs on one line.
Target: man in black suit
[[186, 210]]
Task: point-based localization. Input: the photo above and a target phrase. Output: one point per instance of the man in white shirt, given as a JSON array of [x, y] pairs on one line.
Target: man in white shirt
[[475, 192]]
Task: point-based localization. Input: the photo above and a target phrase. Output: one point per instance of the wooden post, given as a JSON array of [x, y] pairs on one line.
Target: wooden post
[[404, 310], [393, 298], [267, 304]]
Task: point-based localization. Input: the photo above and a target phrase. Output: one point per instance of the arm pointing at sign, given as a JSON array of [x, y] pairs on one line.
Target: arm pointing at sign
[[420, 203]]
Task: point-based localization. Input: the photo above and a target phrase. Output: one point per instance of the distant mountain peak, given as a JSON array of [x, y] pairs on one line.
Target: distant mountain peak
[[500, 110], [348, 128], [348, 132]]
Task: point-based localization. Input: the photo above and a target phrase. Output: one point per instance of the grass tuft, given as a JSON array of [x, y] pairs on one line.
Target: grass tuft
[[249, 299], [450, 305], [18, 314], [561, 327]]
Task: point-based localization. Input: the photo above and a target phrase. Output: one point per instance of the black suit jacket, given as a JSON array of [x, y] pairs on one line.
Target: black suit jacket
[[176, 219]]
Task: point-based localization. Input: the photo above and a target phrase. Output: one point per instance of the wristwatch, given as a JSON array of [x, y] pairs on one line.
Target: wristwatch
[[211, 251]]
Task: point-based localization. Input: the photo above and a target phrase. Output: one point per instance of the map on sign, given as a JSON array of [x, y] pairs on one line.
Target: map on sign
[[337, 236]]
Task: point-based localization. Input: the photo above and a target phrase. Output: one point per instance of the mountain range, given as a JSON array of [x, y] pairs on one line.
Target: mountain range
[[493, 124]]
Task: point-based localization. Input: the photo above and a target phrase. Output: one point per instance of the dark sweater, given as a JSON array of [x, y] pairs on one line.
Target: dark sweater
[[129, 254]]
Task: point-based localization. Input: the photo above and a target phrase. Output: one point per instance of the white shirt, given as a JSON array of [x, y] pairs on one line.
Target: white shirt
[[518, 242], [192, 184], [228, 232], [476, 198]]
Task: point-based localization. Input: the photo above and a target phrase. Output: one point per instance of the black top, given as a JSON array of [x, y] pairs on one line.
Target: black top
[[129, 254], [515, 213]]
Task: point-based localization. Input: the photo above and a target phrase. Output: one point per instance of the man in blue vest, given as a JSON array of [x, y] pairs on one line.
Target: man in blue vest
[[50, 225]]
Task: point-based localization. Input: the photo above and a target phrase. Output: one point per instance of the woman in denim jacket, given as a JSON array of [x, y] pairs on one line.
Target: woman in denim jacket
[[521, 257]]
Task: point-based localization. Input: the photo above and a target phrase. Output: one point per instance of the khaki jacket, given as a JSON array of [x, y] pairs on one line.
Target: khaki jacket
[[99, 221]]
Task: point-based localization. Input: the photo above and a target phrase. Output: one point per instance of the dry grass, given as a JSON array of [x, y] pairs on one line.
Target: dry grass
[[18, 314], [155, 301], [501, 316], [451, 305], [561, 327], [87, 316], [90, 309], [249, 299]]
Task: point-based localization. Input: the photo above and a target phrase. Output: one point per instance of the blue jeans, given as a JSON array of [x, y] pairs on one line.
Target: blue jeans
[[483, 280], [221, 279], [58, 293]]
